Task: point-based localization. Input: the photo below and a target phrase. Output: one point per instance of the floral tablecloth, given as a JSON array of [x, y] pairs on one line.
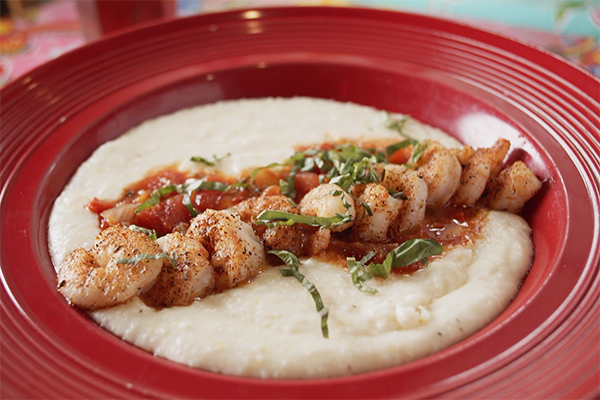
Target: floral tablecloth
[[568, 28]]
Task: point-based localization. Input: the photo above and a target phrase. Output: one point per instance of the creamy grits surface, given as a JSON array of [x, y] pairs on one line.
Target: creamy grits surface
[[269, 328]]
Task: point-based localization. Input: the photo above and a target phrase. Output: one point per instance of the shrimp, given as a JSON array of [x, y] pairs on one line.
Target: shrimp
[[317, 243], [383, 207], [511, 189], [96, 279], [482, 165], [463, 154], [236, 253], [413, 194], [281, 237], [441, 171], [327, 200], [190, 278]]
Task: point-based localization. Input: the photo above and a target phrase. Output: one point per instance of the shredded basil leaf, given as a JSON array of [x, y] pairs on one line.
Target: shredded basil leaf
[[273, 218], [418, 150], [345, 165], [407, 253], [257, 170], [144, 256], [396, 124], [360, 273], [150, 232], [293, 263], [210, 163], [391, 149]]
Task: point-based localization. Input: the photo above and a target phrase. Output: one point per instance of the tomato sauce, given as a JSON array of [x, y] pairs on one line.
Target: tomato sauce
[[170, 212], [450, 226]]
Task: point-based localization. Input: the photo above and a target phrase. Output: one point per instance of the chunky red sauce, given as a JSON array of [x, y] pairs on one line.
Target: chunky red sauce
[[170, 212], [450, 226]]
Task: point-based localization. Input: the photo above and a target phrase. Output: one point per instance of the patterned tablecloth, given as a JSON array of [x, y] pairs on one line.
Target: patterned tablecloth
[[568, 28]]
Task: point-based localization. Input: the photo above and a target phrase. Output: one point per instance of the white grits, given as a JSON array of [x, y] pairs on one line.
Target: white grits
[[269, 328]]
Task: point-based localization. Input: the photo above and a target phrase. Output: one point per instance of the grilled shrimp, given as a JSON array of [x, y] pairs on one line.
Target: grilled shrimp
[[190, 278], [236, 253], [413, 190], [384, 209], [326, 201], [96, 279], [480, 166], [441, 171], [511, 189]]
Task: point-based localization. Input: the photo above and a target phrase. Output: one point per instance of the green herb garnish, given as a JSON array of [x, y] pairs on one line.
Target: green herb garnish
[[293, 263], [360, 273], [407, 253], [273, 218], [210, 163], [397, 124], [150, 232], [418, 150], [144, 256], [344, 165]]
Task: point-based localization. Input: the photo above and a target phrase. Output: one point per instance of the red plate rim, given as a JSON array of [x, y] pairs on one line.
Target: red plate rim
[[51, 350]]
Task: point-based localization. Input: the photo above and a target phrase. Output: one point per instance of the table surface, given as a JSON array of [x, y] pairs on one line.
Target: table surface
[[569, 28]]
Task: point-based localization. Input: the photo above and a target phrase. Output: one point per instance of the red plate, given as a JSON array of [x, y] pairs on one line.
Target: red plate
[[461, 79]]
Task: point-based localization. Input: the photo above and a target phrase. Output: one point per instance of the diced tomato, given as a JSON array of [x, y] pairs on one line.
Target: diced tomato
[[265, 178], [97, 206], [400, 156], [233, 197], [274, 190], [304, 182], [204, 199], [164, 216]]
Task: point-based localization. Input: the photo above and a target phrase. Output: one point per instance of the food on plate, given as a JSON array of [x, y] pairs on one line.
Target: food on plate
[[182, 237]]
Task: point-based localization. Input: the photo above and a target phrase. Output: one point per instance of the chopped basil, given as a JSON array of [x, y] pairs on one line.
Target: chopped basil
[[396, 124], [156, 197], [391, 149], [210, 163], [150, 232], [273, 218], [345, 165], [293, 263], [144, 256], [417, 152], [257, 170], [418, 147], [360, 273], [407, 253]]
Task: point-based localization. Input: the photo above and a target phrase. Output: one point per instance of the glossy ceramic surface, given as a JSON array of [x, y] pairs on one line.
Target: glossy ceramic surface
[[461, 79]]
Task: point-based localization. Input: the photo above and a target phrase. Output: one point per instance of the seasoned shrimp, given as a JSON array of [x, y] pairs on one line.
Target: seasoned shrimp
[[326, 201], [281, 237], [413, 190], [384, 210], [511, 189], [190, 278], [96, 279], [441, 171], [463, 154], [482, 165], [236, 253]]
